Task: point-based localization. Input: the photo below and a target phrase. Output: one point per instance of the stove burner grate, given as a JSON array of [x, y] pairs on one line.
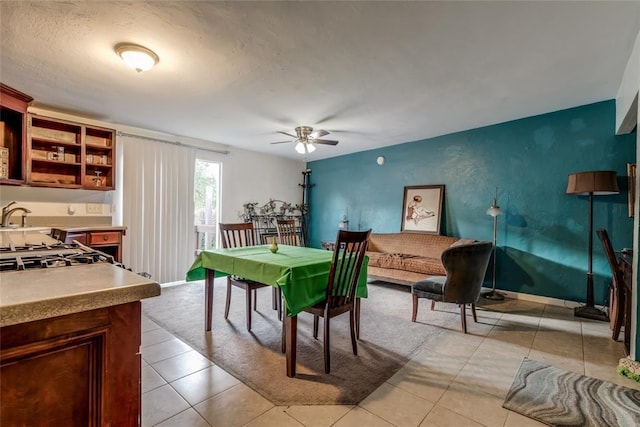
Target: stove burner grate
[[52, 256]]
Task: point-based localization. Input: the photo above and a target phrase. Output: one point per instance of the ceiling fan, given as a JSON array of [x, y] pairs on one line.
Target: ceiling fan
[[306, 137]]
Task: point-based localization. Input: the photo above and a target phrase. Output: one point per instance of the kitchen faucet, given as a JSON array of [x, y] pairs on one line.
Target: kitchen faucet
[[6, 214]]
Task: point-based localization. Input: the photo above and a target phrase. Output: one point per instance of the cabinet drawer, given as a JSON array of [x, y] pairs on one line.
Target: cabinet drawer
[[70, 237], [106, 237]]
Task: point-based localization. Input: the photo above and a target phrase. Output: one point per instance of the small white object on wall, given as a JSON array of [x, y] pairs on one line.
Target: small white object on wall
[[380, 160]]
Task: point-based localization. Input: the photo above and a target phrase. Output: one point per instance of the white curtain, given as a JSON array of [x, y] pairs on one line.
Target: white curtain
[[157, 207]]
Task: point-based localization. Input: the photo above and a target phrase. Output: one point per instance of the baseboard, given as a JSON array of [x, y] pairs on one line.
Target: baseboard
[[170, 284], [509, 294], [543, 300], [540, 299]]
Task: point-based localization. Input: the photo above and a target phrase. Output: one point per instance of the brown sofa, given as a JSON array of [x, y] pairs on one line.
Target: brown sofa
[[405, 258]]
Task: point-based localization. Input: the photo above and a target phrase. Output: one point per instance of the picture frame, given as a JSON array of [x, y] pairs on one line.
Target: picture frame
[[631, 181], [422, 209]]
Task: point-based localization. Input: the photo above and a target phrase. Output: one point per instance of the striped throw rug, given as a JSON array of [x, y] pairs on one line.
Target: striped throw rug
[[561, 398]]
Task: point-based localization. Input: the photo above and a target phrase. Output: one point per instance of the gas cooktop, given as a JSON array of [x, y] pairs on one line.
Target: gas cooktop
[[47, 255]]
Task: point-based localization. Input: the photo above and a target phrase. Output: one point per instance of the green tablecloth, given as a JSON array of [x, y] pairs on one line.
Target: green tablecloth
[[302, 273]]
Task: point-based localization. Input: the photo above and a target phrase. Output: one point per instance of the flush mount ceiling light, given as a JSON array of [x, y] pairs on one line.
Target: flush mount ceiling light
[[137, 57]]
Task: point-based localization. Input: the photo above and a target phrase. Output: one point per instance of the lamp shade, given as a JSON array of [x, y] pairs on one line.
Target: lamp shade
[[494, 210], [598, 183], [300, 148]]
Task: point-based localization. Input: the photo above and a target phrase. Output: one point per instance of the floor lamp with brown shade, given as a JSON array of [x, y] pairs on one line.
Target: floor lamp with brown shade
[[594, 183]]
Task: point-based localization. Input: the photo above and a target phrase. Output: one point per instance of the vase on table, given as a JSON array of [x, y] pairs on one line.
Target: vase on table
[[274, 246]]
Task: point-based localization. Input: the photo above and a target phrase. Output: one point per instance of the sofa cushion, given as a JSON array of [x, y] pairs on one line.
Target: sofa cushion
[[421, 245], [407, 262]]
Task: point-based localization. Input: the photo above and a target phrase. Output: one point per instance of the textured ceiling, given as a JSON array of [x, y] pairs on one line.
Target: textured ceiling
[[372, 73]]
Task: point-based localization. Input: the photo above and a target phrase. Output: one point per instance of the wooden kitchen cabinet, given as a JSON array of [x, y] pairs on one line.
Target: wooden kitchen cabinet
[[107, 239], [13, 135], [81, 369], [67, 154]]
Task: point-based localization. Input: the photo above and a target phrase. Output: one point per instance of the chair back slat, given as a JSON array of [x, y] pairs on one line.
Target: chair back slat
[[348, 257], [287, 232], [237, 235]]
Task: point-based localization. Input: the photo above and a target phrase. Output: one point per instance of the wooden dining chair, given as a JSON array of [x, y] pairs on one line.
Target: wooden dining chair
[[348, 256], [617, 295], [235, 236], [287, 232], [287, 235]]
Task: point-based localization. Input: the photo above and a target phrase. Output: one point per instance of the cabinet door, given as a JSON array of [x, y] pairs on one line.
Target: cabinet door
[[57, 382], [13, 135], [80, 369]]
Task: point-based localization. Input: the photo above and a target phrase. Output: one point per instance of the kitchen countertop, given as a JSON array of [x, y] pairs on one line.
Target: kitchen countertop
[[37, 294], [23, 238], [91, 228]]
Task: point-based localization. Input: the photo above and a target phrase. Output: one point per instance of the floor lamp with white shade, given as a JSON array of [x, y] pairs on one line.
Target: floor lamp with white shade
[[494, 211]]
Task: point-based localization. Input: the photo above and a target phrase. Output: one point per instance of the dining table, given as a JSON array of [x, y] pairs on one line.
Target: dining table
[[300, 272]]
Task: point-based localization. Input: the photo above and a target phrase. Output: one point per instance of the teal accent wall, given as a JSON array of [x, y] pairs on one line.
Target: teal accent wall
[[543, 236]]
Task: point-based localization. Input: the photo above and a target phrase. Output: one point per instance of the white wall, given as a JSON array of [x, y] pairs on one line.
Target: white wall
[[627, 97], [627, 117], [249, 176]]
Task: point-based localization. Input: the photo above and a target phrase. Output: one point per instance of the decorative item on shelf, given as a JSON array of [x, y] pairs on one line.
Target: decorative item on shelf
[[56, 156], [98, 179], [494, 211], [274, 246], [89, 158], [593, 183], [4, 162]]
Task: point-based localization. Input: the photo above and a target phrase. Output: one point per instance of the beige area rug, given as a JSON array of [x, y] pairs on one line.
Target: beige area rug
[[388, 339]]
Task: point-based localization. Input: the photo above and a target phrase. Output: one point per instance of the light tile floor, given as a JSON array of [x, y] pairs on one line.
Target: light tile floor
[[456, 380]]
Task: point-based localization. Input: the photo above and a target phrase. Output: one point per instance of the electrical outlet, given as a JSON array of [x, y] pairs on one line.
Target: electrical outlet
[[94, 208]]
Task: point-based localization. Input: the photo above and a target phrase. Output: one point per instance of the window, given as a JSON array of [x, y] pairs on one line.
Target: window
[[206, 203]]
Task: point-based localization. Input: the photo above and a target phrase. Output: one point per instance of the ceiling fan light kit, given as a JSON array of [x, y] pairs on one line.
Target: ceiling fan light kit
[[306, 139], [305, 147]]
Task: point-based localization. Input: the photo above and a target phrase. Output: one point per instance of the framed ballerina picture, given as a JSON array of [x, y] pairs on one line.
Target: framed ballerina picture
[[422, 209]]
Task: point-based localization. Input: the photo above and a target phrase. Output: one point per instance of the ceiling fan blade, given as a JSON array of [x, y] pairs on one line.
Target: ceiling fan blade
[[281, 142], [288, 134], [325, 141], [318, 133]]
